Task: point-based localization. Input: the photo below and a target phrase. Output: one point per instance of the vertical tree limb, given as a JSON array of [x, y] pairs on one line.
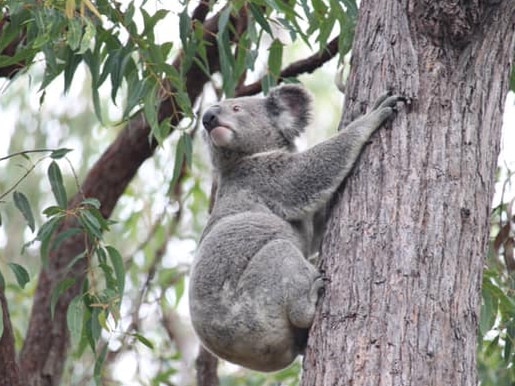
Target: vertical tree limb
[[9, 374]]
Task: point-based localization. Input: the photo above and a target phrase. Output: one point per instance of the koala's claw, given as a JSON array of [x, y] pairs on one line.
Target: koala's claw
[[389, 100]]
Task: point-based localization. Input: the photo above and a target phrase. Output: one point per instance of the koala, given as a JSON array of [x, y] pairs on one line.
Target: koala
[[252, 291]]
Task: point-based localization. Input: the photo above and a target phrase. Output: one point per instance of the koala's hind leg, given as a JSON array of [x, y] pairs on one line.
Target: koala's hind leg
[[297, 281], [302, 305]]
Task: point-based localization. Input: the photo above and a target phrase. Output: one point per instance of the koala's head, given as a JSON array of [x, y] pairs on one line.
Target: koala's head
[[249, 125]]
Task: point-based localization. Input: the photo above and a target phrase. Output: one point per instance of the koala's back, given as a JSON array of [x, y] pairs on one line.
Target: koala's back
[[240, 297]]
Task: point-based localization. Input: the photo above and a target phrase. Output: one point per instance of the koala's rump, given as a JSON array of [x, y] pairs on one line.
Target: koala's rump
[[237, 295]]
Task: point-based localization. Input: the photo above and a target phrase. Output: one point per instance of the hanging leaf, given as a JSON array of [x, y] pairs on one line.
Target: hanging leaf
[[99, 363], [119, 268], [275, 58], [150, 106], [71, 61], [144, 340], [184, 27], [188, 148], [74, 318], [58, 291], [21, 274], [21, 202], [94, 325], [45, 235], [56, 182], [488, 312], [258, 14], [510, 338], [177, 167]]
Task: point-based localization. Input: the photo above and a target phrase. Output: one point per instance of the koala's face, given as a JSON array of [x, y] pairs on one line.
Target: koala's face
[[250, 125]]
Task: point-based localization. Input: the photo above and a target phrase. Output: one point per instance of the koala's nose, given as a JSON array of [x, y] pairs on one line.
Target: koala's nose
[[210, 117]]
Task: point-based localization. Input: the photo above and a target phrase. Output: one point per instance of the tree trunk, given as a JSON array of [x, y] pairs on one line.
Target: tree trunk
[[9, 373], [407, 237]]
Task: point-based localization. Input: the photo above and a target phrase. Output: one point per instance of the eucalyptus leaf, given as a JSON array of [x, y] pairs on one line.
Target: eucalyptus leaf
[[58, 291], [22, 203], [144, 340], [20, 273], [99, 362], [45, 235], [74, 318], [118, 266], [56, 182]]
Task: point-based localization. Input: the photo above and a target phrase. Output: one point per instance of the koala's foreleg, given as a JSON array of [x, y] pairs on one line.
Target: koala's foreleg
[[318, 171]]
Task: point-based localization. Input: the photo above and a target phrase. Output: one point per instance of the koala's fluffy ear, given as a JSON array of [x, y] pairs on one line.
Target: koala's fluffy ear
[[290, 108]]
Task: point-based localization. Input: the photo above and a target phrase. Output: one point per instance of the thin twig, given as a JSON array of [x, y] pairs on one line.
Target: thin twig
[[26, 152]]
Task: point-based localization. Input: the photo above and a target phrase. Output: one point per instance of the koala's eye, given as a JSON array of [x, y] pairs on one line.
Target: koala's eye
[[236, 108]]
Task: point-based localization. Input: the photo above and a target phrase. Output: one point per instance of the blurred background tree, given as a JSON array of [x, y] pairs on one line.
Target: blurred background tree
[[105, 182]]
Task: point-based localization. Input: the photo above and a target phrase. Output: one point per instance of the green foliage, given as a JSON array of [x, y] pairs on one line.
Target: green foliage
[[496, 354], [21, 274], [69, 36], [99, 301], [56, 181], [21, 202]]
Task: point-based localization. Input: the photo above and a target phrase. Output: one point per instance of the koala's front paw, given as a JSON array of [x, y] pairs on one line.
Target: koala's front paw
[[392, 101], [387, 105], [389, 100]]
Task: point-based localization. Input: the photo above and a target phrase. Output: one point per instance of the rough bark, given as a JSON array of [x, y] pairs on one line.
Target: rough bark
[[9, 374], [206, 366], [407, 238]]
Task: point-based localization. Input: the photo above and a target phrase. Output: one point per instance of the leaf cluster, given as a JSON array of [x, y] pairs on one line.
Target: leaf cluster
[[88, 313], [496, 342]]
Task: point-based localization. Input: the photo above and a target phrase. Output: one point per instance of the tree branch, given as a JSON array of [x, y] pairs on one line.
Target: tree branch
[[9, 374], [206, 365], [307, 65]]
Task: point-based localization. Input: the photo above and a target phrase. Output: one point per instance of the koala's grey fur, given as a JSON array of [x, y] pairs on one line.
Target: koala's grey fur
[[252, 291]]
